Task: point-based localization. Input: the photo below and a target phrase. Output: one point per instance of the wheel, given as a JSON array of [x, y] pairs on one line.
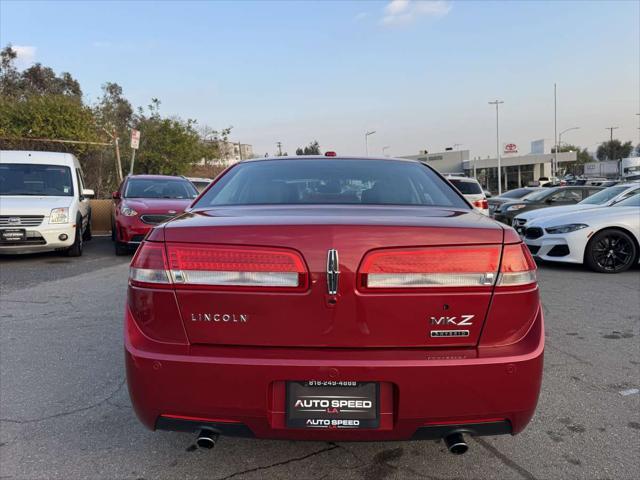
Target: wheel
[[113, 231], [75, 250], [610, 251], [121, 248], [86, 236]]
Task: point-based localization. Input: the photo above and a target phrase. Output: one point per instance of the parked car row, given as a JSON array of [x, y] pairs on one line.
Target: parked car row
[[558, 228], [45, 206]]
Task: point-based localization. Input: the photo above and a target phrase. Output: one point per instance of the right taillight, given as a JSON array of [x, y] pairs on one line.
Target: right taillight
[[517, 267], [481, 204], [430, 267]]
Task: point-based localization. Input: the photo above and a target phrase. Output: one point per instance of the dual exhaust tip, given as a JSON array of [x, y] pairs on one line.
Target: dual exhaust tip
[[456, 444], [455, 441], [207, 439]]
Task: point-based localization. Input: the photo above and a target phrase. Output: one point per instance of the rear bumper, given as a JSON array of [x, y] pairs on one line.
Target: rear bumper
[[424, 393]]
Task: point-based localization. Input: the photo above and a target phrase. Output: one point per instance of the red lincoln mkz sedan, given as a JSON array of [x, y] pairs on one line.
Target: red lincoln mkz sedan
[[334, 299], [144, 201]]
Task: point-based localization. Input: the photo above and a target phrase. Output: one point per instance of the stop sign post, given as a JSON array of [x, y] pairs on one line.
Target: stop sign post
[[135, 144]]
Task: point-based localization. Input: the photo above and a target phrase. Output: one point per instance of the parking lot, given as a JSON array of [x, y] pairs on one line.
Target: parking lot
[[65, 410]]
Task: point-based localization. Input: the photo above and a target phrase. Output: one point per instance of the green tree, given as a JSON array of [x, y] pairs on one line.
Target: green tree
[[35, 80], [167, 145], [51, 116], [583, 156], [614, 150], [312, 149]]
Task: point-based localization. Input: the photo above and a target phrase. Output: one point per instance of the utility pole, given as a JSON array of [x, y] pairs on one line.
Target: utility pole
[[240, 150], [497, 104], [116, 142], [279, 145], [384, 149], [611, 129]]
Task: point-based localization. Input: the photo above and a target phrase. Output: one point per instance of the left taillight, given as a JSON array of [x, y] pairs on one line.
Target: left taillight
[[221, 266], [149, 266]]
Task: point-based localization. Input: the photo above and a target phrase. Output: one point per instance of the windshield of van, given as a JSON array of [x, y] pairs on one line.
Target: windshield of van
[[326, 182], [35, 180], [467, 187]]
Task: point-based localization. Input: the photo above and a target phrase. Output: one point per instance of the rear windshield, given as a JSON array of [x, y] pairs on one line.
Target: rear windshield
[[298, 181], [466, 187], [36, 180], [159, 188]]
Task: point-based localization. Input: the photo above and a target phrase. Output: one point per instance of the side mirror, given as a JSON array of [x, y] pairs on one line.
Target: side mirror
[[87, 192], [115, 195], [549, 200]]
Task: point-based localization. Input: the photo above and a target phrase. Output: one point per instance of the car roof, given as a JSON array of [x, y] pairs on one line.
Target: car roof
[[38, 157], [461, 179], [323, 157], [147, 176]]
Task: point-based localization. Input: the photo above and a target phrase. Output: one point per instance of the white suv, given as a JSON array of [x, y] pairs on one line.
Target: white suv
[[43, 203], [472, 191]]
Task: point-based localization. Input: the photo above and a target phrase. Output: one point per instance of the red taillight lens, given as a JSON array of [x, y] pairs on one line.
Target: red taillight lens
[[149, 265], [469, 266], [518, 266], [481, 204], [236, 266]]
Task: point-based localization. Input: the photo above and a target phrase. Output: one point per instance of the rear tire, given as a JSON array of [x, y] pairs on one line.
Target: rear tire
[[610, 251], [75, 250]]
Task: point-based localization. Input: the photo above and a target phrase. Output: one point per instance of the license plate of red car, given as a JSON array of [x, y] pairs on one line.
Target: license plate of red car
[[332, 404]]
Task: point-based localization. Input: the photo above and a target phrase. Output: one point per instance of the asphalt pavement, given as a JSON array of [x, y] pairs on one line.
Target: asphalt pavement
[[65, 411]]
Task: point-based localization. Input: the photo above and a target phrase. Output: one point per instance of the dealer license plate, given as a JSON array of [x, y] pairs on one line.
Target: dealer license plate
[[332, 404], [13, 234]]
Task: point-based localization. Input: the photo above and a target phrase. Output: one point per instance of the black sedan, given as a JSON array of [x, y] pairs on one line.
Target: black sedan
[[546, 197], [510, 196]]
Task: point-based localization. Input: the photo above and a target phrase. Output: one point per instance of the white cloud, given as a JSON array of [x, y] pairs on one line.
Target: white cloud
[[26, 55], [402, 12]]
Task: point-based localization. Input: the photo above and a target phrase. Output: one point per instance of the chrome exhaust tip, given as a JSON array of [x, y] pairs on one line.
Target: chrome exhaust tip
[[456, 444], [206, 439]]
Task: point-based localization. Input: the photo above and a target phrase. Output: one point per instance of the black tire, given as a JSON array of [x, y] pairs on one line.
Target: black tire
[[121, 249], [113, 231], [87, 235], [610, 251], [75, 250]]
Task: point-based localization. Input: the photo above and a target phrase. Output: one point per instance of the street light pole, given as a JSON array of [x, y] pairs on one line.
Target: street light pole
[[497, 104], [563, 132], [366, 141]]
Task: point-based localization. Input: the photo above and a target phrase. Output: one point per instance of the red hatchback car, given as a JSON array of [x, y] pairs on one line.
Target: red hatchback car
[[334, 299], [144, 201]]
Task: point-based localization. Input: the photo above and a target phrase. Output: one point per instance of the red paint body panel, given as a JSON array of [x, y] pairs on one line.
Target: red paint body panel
[[179, 366], [420, 386]]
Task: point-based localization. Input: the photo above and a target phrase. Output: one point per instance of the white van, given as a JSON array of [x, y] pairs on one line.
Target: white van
[[43, 203], [472, 191]]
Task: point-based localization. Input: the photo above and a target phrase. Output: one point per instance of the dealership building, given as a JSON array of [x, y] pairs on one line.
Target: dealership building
[[518, 170]]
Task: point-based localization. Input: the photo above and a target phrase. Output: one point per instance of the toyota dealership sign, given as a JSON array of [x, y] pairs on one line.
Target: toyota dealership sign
[[510, 148]]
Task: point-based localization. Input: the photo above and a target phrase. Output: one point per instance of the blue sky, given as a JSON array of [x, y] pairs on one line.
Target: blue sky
[[419, 73]]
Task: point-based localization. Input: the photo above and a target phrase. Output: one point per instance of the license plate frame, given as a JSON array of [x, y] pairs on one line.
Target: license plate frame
[[16, 235], [320, 410]]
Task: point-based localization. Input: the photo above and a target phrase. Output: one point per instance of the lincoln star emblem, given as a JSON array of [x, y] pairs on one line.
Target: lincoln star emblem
[[333, 272]]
